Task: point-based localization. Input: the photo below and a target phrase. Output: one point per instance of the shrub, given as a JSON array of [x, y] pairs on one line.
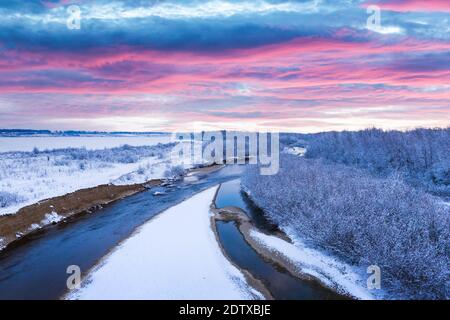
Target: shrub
[[141, 171], [174, 172], [8, 199], [123, 154], [363, 219], [422, 155]]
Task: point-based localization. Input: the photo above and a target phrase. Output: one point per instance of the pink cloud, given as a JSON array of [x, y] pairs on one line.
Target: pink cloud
[[309, 78], [53, 4], [412, 5]]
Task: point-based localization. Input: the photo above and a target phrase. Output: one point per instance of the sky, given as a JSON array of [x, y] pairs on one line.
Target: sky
[[266, 65]]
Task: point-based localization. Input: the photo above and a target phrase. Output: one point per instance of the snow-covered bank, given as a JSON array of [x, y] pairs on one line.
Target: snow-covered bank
[[331, 272], [173, 256], [29, 177]]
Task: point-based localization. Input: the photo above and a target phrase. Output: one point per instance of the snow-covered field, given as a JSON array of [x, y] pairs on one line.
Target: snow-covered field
[[173, 256], [53, 166], [331, 272], [28, 177], [93, 142]]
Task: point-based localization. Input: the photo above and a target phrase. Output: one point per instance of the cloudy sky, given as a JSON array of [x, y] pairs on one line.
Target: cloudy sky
[[302, 66]]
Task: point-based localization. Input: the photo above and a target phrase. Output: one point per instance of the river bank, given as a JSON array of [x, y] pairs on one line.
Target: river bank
[[307, 287], [149, 261], [35, 266], [90, 239], [312, 267], [40, 215], [172, 256], [36, 217]]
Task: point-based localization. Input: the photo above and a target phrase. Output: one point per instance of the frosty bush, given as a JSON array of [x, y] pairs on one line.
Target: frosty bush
[[140, 171], [82, 166], [174, 172], [8, 199], [40, 174], [421, 155], [123, 154], [363, 219]]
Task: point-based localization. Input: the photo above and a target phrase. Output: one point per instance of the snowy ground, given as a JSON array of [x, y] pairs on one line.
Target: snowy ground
[[27, 144], [29, 177], [48, 181], [173, 256], [327, 269]]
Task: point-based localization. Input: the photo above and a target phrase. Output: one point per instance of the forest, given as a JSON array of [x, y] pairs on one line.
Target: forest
[[368, 197], [421, 156]]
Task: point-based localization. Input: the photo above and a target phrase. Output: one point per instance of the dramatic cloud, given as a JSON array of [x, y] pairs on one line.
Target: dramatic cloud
[[306, 65], [413, 5]]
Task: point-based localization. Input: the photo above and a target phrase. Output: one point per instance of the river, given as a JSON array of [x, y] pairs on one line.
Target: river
[[35, 268], [278, 281]]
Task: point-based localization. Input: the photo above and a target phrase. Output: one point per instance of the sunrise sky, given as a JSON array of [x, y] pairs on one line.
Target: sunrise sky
[[303, 66]]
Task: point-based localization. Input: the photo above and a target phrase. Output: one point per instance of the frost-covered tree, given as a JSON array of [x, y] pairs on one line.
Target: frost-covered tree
[[174, 172], [422, 156], [8, 199], [363, 219]]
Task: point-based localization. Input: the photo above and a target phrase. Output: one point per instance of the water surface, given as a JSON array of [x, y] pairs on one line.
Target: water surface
[[278, 281], [36, 269], [230, 194]]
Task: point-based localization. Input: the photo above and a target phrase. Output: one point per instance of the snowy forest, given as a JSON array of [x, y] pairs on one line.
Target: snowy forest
[[421, 156], [370, 198]]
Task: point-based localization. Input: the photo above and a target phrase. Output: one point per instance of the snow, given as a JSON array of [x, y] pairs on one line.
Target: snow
[[173, 256], [27, 144], [142, 172], [331, 272], [190, 178], [51, 218], [296, 151], [34, 226], [27, 178], [37, 180]]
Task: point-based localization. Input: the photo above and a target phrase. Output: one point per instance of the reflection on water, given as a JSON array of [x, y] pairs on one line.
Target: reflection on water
[[279, 282], [230, 194], [36, 269]]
